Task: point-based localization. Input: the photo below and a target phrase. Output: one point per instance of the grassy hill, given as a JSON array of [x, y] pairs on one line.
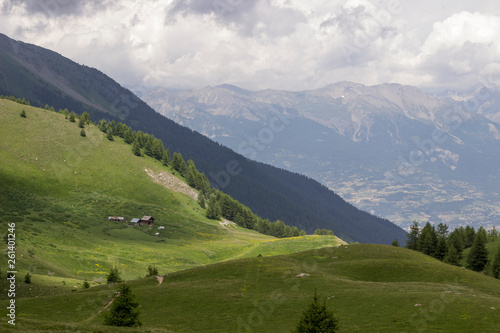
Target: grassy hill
[[59, 188], [370, 288]]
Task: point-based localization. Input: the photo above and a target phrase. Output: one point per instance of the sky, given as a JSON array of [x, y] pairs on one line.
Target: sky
[[268, 44]]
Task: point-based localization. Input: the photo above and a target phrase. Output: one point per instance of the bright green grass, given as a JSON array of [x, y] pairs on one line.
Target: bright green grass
[[59, 188], [371, 288]]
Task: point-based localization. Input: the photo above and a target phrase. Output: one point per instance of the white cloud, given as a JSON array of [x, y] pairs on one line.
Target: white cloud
[[262, 44]]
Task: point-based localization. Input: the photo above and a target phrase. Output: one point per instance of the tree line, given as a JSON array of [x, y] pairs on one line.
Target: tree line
[[447, 246], [217, 203]]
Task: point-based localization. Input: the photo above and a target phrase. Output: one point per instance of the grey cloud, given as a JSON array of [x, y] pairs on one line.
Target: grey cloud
[[228, 11], [245, 15], [56, 7]]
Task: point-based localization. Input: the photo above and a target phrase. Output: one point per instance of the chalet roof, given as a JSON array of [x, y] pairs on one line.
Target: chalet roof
[[135, 220], [145, 218]]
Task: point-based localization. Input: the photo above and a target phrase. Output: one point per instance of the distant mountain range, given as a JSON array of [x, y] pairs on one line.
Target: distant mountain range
[[45, 77], [390, 149]]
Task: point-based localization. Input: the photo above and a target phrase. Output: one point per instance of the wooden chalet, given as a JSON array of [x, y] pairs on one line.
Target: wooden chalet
[[116, 218], [149, 220], [136, 221]]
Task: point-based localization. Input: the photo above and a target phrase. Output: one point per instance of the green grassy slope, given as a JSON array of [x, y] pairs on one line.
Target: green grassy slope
[[59, 188], [371, 288]]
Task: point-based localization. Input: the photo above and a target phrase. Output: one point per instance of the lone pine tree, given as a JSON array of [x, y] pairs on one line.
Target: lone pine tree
[[317, 319], [124, 310]]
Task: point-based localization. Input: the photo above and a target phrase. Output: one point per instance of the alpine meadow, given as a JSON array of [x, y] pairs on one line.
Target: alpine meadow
[[258, 166]]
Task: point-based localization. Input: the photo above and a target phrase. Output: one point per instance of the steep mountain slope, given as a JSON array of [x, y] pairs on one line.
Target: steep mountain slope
[[389, 149], [43, 76]]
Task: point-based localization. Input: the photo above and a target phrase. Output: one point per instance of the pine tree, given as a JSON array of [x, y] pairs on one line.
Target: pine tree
[[470, 234], [412, 236], [201, 200], [23, 113], [452, 255], [440, 249], [85, 117], [442, 230], [109, 134], [191, 173], [136, 148], [72, 117], [427, 242], [295, 232], [213, 210], [495, 269], [492, 235], [152, 270], [166, 157], [81, 123], [478, 255], [114, 276], [457, 240], [316, 318], [124, 309], [82, 133], [178, 163], [395, 243]]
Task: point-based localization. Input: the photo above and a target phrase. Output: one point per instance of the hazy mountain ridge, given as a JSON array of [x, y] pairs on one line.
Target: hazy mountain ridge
[[270, 192], [390, 139]]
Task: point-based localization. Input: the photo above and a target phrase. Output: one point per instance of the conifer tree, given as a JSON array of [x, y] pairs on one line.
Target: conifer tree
[[213, 210], [469, 236], [495, 268], [178, 163], [23, 113], [136, 148], [166, 157], [114, 275], [317, 318], [124, 309], [72, 117], [457, 240], [109, 134], [201, 200], [412, 236], [85, 117], [427, 241], [81, 123], [452, 255], [82, 133], [478, 255], [295, 232], [492, 235], [441, 249], [128, 135]]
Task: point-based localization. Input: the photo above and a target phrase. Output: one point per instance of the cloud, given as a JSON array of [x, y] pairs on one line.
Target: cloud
[[250, 17], [261, 44], [51, 8], [462, 48]]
